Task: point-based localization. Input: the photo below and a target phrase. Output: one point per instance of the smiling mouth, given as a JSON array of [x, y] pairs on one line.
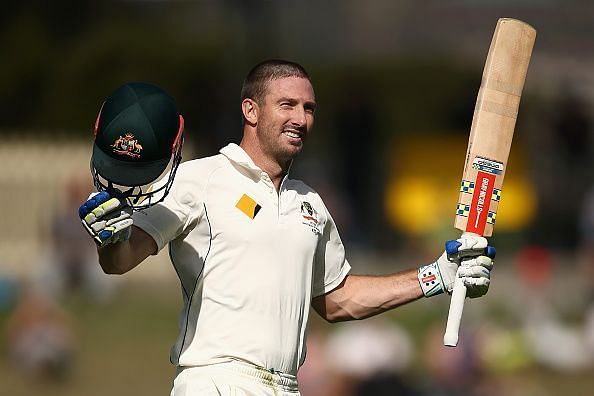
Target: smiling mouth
[[293, 133]]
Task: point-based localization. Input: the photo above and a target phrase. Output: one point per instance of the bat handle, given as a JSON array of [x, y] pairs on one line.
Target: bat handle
[[450, 337]]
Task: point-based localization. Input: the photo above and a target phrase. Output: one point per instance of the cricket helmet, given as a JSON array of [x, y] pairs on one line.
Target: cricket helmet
[[138, 136]]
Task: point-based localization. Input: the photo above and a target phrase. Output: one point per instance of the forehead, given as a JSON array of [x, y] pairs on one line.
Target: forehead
[[290, 87]]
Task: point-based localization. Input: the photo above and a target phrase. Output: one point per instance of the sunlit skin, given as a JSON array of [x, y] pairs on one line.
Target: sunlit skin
[[275, 129]]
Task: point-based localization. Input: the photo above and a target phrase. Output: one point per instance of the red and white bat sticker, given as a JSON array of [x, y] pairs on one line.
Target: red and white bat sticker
[[481, 200]]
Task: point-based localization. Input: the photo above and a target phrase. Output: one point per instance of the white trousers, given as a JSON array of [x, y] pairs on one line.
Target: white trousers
[[232, 379]]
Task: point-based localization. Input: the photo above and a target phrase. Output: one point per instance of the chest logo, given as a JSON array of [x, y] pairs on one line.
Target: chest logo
[[248, 206], [310, 217]]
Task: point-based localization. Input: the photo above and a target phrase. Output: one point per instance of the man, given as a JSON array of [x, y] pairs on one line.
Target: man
[[253, 249]]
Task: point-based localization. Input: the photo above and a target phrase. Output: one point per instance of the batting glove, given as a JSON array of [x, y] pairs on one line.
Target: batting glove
[[469, 258], [107, 219]]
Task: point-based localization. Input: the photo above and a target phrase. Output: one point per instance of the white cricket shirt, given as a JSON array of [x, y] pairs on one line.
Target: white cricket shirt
[[249, 260]]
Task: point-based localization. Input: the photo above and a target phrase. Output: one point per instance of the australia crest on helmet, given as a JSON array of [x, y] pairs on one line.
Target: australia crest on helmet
[[127, 145]]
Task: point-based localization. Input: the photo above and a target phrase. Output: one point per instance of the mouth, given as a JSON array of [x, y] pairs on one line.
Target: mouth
[[294, 134]]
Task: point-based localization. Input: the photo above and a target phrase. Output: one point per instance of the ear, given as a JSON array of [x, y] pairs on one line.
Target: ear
[[250, 111]]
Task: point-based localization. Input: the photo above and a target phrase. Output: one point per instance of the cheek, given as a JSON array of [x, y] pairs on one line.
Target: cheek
[[264, 122], [273, 126], [270, 120], [268, 128]]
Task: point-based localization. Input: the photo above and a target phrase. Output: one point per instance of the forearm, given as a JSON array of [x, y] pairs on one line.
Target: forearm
[[121, 257], [116, 258], [360, 296]]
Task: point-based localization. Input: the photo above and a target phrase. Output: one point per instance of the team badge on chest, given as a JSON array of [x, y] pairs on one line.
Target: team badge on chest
[[310, 217]]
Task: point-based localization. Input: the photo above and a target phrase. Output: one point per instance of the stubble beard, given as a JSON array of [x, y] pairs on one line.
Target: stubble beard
[[271, 138]]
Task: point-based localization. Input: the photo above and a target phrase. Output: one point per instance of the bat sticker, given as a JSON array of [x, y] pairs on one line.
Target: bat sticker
[[487, 165], [479, 208], [468, 188], [496, 196], [464, 210]]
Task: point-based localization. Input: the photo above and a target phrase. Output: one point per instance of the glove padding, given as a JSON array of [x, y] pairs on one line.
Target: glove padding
[[469, 258], [107, 219]]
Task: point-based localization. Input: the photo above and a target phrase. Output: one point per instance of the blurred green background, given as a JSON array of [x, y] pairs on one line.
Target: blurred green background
[[396, 84]]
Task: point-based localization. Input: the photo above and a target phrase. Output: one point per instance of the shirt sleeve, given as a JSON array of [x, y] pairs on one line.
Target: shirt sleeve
[[330, 266], [177, 214]]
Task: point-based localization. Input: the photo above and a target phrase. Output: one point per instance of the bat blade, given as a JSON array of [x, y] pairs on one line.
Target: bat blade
[[489, 143], [493, 126]]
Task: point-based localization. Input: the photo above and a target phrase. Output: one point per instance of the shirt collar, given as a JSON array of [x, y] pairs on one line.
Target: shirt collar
[[236, 154]]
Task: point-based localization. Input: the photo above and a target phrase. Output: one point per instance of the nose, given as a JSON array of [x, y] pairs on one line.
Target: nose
[[299, 116]]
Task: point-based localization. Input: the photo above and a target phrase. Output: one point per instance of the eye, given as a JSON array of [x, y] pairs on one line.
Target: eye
[[286, 105], [309, 109]]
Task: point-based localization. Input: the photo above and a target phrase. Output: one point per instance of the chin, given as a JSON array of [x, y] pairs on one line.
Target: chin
[[291, 153], [294, 150]]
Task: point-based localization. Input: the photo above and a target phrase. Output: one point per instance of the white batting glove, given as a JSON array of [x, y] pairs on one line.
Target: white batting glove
[[469, 258], [107, 219]]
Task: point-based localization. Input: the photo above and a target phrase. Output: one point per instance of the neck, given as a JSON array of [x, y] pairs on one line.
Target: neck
[[275, 169]]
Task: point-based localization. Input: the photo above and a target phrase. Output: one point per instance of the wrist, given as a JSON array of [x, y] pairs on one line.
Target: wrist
[[430, 280]]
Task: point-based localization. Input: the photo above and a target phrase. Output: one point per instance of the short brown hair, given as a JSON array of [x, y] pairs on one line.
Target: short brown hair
[[256, 82]]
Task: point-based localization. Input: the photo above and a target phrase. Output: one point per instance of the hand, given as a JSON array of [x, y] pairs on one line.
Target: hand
[[469, 258], [107, 219]]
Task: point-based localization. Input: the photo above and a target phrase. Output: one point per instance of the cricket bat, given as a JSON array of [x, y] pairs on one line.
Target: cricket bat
[[490, 140]]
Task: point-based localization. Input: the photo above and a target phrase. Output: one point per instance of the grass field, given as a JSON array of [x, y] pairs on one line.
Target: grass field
[[123, 348]]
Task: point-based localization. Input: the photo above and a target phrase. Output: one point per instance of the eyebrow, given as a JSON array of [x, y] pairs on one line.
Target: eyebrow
[[308, 104]]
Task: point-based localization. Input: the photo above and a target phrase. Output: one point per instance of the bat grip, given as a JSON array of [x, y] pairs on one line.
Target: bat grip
[[450, 337]]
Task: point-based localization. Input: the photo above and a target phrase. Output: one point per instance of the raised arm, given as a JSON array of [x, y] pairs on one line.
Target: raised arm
[[121, 257], [362, 296], [120, 245]]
